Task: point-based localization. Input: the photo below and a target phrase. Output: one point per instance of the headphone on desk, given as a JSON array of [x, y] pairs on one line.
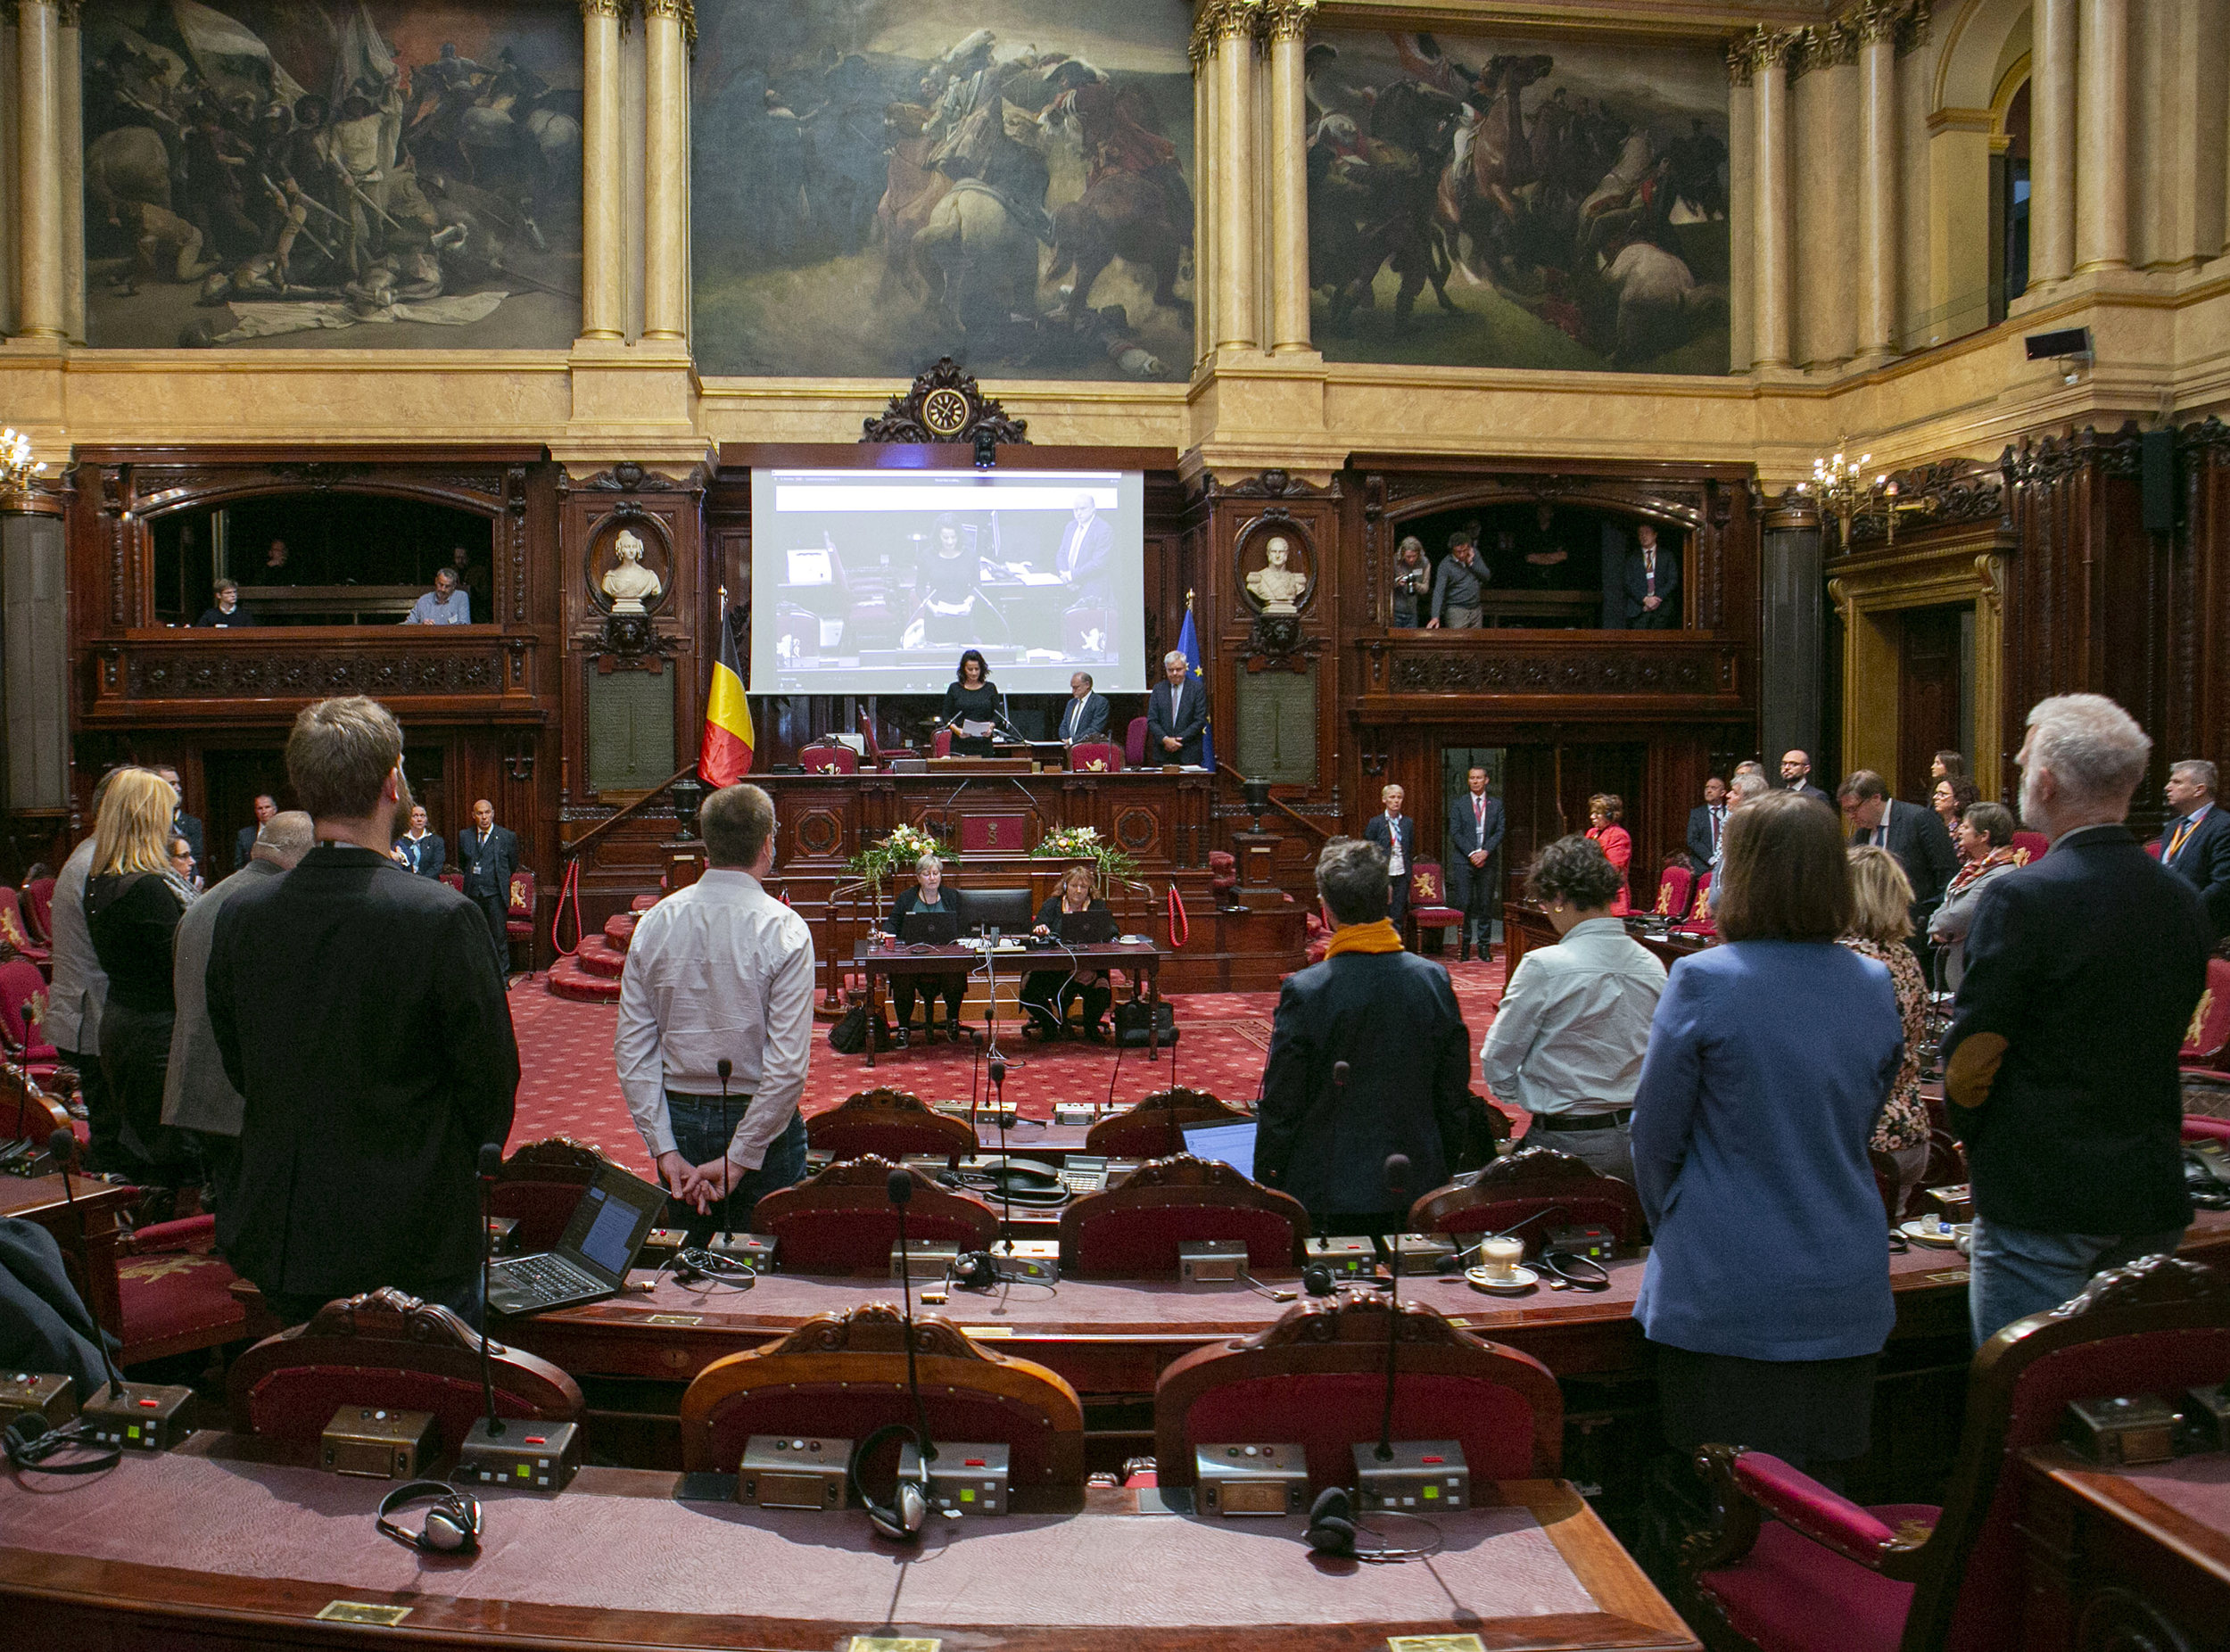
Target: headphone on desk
[[902, 1518], [1332, 1523], [452, 1525], [29, 1442]]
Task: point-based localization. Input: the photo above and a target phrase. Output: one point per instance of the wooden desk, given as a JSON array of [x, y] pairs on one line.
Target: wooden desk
[[88, 1236], [221, 1544], [1526, 926], [873, 963], [2119, 1559]]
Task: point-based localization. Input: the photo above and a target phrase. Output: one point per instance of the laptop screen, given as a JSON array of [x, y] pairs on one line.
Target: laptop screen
[[615, 1215], [1225, 1144]]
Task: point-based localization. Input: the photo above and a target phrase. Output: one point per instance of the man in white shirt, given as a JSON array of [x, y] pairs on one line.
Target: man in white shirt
[[1567, 1043], [445, 605], [722, 969]]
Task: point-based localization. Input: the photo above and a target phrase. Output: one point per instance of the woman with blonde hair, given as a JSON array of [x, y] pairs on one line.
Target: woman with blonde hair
[[134, 898], [1881, 922]]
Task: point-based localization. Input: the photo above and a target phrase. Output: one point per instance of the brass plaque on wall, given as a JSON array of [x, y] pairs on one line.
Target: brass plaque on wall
[[630, 729], [1277, 726]]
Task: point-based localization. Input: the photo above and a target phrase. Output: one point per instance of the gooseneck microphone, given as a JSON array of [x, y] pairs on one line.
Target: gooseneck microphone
[[62, 1146], [1397, 1177], [726, 1069], [490, 1166], [900, 1187], [1006, 1165]]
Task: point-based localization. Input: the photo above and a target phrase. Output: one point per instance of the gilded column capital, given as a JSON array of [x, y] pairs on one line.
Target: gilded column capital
[[1218, 21], [620, 9], [682, 12], [1286, 20], [1763, 49], [1906, 22], [1829, 45]]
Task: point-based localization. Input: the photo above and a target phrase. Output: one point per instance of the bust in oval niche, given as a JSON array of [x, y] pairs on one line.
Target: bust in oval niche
[[630, 585], [1278, 585]]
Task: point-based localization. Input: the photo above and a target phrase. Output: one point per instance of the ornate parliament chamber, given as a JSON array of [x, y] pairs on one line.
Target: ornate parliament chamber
[[1293, 408]]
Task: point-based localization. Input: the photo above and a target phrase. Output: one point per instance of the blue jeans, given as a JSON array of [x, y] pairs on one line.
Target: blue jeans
[[2017, 1273], [700, 1136]]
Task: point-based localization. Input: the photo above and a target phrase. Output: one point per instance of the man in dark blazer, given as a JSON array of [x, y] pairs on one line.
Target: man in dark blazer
[[2083, 969], [187, 826], [361, 1019], [243, 844], [1397, 834], [1915, 834], [1177, 711], [1086, 547], [1706, 824], [420, 850], [488, 854], [1474, 833], [1084, 715], [1392, 1019], [1653, 585], [1796, 777], [2195, 842]]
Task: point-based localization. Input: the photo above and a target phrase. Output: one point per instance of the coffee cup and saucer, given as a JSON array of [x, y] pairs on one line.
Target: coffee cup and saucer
[[1500, 1268]]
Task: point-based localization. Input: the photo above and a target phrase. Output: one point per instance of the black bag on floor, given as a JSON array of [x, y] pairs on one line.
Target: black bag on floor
[[848, 1037], [1131, 1030]]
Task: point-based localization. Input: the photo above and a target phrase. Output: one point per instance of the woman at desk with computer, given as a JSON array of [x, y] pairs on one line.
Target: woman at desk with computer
[[1047, 994], [971, 696], [928, 894]]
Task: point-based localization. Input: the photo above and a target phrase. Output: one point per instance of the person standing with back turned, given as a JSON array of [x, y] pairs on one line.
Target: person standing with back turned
[[367, 1090]]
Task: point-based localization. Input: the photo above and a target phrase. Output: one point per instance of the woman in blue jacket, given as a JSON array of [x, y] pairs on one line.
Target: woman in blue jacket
[[1767, 1288]]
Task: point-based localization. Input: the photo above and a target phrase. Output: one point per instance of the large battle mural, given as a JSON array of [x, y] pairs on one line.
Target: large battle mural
[[332, 173], [1484, 201], [880, 182]]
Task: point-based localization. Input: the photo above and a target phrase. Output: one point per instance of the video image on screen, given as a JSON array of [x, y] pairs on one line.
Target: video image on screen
[[875, 582]]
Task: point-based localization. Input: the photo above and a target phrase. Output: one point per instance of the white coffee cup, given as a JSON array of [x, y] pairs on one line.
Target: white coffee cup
[[1500, 1256]]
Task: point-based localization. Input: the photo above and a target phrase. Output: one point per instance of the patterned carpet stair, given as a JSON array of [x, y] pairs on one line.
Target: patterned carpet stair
[[571, 979], [591, 975]]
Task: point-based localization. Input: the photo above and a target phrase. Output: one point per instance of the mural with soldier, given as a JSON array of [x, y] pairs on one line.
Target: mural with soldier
[[1483, 201], [880, 182], [361, 173]]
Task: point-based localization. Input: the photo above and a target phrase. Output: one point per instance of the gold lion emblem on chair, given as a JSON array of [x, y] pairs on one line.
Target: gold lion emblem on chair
[[2192, 1034]]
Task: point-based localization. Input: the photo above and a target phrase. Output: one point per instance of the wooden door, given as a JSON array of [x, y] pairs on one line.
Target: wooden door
[[1930, 675]]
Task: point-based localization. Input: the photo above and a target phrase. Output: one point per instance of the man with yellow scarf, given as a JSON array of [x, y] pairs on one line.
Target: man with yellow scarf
[[1391, 1019]]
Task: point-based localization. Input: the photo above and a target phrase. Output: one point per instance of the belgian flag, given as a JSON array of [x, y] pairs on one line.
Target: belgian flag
[[726, 755]]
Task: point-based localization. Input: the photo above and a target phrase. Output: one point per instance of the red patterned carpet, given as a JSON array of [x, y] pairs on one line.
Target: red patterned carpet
[[569, 1086]]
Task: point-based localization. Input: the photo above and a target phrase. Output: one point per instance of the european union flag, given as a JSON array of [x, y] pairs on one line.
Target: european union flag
[[1188, 645]]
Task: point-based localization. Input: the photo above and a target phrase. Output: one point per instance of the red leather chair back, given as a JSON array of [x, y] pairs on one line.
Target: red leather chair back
[[942, 744], [829, 757], [891, 1124], [12, 927], [1551, 1187], [1095, 758], [39, 909], [2032, 846], [1672, 891], [1154, 1126], [841, 1221], [22, 1002], [1134, 1231], [2210, 1033], [1135, 743]]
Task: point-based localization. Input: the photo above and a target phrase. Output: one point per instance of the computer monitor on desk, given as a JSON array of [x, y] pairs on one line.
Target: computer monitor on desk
[[1007, 911]]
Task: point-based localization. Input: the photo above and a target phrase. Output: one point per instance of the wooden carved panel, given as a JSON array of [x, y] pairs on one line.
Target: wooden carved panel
[[209, 673], [819, 832], [1609, 670]]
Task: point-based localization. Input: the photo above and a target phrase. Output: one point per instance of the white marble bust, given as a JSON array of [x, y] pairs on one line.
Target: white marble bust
[[630, 584], [1276, 586]]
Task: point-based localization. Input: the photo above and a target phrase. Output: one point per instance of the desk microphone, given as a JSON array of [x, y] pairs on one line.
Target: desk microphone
[[725, 1069], [62, 1146], [1397, 1176], [900, 1186], [490, 1166], [1007, 1166]]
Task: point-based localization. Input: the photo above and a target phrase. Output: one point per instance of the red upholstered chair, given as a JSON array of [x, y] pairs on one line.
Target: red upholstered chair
[[1673, 889], [177, 1295], [1533, 1181], [1827, 1574], [845, 1374], [1135, 743], [892, 1124], [538, 1187], [841, 1221], [1095, 758], [829, 758], [1156, 1124], [1319, 1377], [1428, 900], [2206, 1043], [13, 930], [455, 880], [941, 744], [1700, 921], [38, 910], [2197, 1129], [2030, 846], [518, 924], [1133, 1231], [387, 1348], [30, 1112], [22, 1007]]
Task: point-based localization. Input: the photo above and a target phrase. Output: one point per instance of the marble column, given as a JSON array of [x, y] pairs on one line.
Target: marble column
[[1231, 24], [601, 237], [2102, 174], [666, 180], [1877, 184], [70, 147], [1772, 229], [1741, 191], [39, 261], [2051, 142], [1289, 175]]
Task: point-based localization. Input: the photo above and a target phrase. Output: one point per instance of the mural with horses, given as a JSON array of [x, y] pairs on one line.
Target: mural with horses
[[879, 182], [353, 173], [1488, 201]]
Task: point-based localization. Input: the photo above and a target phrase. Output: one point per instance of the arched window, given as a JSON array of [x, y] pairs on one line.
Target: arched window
[[2009, 190]]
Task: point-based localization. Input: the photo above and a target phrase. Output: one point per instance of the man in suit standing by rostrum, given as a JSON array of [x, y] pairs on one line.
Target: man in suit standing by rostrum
[[361, 1019], [1177, 711], [488, 854], [1397, 834], [1796, 777], [244, 845], [1085, 716], [1474, 833], [1653, 585], [2195, 843], [1912, 832], [1087, 545], [2083, 970], [1706, 825]]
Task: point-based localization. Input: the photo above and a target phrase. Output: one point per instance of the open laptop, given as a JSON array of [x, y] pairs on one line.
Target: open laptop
[[929, 928], [1087, 929], [614, 1216]]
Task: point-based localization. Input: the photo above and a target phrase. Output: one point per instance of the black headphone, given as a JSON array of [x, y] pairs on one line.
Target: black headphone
[[29, 1442], [1317, 1280], [973, 1270], [1331, 1525], [452, 1525], [902, 1518]]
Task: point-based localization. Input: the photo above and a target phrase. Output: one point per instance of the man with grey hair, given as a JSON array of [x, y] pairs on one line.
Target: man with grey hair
[[2083, 969], [2195, 841], [1176, 712], [196, 1095], [721, 971], [1391, 1019]]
